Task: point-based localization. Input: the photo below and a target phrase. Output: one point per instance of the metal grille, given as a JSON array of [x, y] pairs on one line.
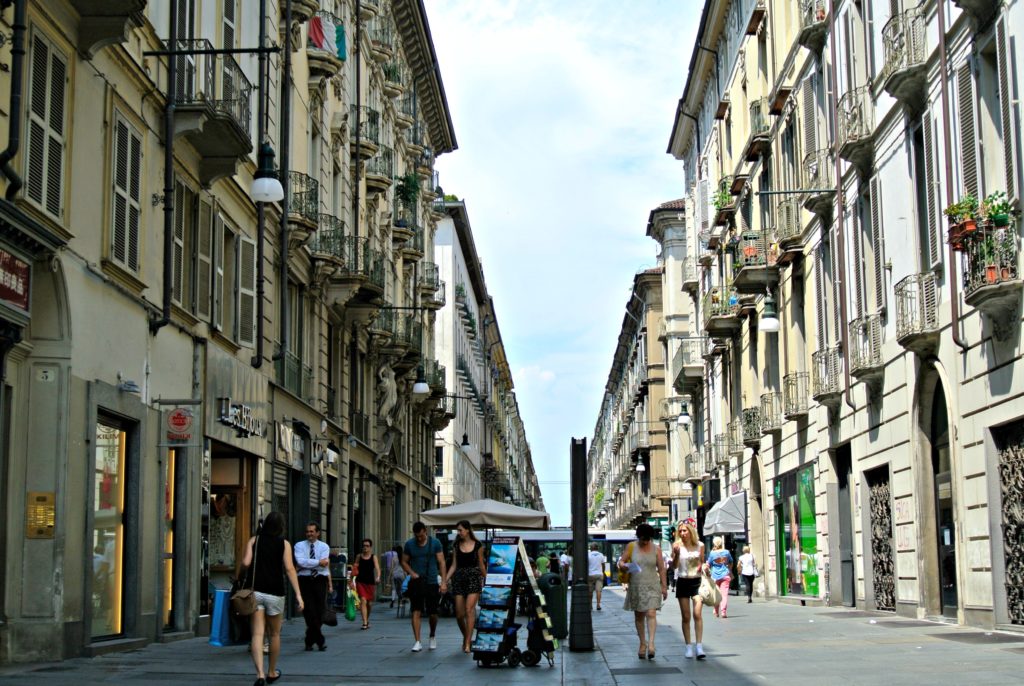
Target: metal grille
[[882, 563], [1010, 443], [856, 119], [903, 42], [866, 343], [917, 307], [827, 371], [795, 387]]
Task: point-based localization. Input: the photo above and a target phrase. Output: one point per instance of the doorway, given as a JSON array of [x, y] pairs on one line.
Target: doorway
[[847, 574], [945, 516]]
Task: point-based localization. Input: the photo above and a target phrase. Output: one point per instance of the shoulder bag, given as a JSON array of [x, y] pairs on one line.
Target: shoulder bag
[[623, 575], [243, 602], [709, 593]]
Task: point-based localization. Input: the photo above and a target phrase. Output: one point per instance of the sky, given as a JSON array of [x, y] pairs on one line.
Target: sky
[[562, 110]]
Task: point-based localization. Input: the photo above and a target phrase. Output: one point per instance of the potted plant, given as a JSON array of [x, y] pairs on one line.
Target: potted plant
[[996, 208], [1006, 253], [722, 198], [460, 292], [406, 192], [987, 252]]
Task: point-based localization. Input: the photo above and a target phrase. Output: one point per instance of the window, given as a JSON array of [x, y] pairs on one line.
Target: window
[[126, 208], [229, 23], [926, 182], [246, 291], [185, 209], [44, 148]]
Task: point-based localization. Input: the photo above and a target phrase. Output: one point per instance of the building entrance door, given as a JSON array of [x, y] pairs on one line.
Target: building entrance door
[[945, 515], [844, 470]]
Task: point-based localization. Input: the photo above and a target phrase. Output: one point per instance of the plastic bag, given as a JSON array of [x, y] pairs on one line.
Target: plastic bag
[[350, 605]]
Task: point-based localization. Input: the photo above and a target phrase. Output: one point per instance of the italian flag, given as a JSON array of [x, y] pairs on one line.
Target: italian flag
[[326, 36]]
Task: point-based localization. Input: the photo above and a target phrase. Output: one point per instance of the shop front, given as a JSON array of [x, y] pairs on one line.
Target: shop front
[[796, 537]]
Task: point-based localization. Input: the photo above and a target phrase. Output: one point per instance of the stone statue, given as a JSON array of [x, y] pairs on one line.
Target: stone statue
[[388, 389]]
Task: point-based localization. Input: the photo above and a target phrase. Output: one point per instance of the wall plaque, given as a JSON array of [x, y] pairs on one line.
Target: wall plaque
[[40, 514]]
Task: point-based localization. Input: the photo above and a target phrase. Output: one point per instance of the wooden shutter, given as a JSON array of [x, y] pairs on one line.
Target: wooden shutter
[[1007, 111], [808, 115], [218, 257], [229, 23], [178, 258], [126, 206], [968, 139], [858, 261], [877, 243], [932, 251], [45, 144], [702, 203], [819, 298], [204, 259], [838, 271], [246, 291]]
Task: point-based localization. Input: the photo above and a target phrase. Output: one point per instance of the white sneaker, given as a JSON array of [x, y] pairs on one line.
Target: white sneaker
[[416, 647], [700, 652], [433, 643], [689, 652]]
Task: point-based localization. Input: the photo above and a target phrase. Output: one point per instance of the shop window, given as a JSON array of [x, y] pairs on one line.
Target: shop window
[[46, 126], [108, 528], [796, 533]]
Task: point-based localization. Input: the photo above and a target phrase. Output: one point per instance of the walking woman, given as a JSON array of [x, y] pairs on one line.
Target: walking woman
[[367, 577], [748, 570], [688, 564], [467, 574], [272, 554], [720, 560], [647, 586]]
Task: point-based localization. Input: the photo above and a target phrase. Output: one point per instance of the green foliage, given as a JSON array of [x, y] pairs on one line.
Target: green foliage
[[408, 188], [965, 208]]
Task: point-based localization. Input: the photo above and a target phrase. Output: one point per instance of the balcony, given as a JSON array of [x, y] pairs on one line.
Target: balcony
[[789, 228], [405, 113], [382, 41], [992, 281], [917, 313], [813, 24], [688, 364], [981, 10], [755, 265], [369, 9], [360, 271], [779, 97], [760, 131], [905, 55], [413, 249], [725, 207], [432, 186], [324, 62], [866, 348], [303, 207], [302, 10], [106, 22], [364, 131], [425, 163], [380, 170], [437, 299], [756, 17], [856, 125], [327, 243], [430, 277], [795, 392], [750, 419], [734, 437], [719, 452], [827, 365], [722, 110], [720, 313], [213, 109], [691, 278], [771, 412], [415, 139], [819, 188], [294, 376], [395, 79]]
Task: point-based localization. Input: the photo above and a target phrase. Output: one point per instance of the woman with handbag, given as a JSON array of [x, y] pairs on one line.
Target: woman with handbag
[[720, 560], [647, 586], [365, 579], [748, 570], [467, 574], [268, 558], [688, 565]]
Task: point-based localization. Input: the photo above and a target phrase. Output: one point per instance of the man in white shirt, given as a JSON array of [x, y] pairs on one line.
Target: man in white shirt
[[565, 560], [595, 572], [312, 561]]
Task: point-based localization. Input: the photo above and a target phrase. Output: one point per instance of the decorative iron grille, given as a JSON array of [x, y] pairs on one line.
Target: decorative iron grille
[[818, 171], [991, 254], [369, 124], [771, 411], [866, 343], [917, 304], [750, 419], [882, 561], [904, 44], [796, 390], [1010, 444], [828, 369], [856, 120]]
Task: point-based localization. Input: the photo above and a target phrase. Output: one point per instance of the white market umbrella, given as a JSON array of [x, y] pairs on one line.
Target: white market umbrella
[[487, 513], [727, 516]]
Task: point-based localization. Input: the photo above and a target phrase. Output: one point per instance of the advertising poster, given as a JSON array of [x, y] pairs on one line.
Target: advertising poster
[[501, 563]]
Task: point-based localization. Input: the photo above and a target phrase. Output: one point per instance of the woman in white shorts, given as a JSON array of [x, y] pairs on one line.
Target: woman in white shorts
[[272, 554]]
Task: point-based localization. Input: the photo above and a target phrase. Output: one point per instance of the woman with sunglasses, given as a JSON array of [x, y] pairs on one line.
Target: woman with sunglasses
[[367, 577], [647, 586], [467, 574], [688, 564]]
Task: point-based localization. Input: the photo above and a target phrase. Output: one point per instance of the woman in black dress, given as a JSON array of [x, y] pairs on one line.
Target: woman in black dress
[[467, 574], [273, 560]]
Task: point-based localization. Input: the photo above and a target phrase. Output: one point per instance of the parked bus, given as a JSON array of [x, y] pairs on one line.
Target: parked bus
[[557, 541]]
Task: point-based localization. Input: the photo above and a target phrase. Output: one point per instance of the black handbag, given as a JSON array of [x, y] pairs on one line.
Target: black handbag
[[243, 601], [330, 617]]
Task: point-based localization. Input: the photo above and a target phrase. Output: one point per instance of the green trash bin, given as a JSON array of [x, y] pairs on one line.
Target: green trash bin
[[553, 587]]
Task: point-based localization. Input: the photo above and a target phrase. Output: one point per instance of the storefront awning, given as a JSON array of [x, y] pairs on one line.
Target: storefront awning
[[728, 516]]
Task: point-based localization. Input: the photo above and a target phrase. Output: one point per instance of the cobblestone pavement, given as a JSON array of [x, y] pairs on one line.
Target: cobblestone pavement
[[761, 643]]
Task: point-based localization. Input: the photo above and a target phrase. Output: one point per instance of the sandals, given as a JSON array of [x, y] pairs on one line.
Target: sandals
[[643, 652], [365, 627], [272, 679]]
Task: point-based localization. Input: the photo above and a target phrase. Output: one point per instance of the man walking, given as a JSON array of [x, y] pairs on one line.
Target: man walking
[[423, 561], [595, 572], [312, 559]]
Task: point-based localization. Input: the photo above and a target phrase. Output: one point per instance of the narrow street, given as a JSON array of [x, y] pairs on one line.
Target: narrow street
[[762, 643]]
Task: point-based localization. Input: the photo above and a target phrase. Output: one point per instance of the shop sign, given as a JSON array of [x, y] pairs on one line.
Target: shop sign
[[179, 424], [241, 417], [14, 280]]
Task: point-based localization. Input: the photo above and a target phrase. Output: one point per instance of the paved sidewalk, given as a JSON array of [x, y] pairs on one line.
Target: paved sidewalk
[[762, 643]]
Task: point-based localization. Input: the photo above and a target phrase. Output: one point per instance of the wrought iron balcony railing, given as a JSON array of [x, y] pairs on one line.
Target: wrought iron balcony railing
[[856, 121], [304, 196], [828, 374], [866, 345], [788, 226], [718, 303], [294, 376], [213, 81], [760, 128], [430, 276], [750, 418], [329, 238], [382, 36], [734, 434], [796, 394], [382, 164], [992, 254], [771, 411], [813, 24], [904, 43], [369, 123], [414, 136], [917, 305]]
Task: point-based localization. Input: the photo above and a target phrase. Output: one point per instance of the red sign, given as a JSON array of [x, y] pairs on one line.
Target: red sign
[[179, 424], [14, 280]]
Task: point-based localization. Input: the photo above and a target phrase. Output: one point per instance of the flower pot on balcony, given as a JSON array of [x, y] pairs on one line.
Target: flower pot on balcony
[[1001, 219], [1004, 273], [991, 273], [968, 226]]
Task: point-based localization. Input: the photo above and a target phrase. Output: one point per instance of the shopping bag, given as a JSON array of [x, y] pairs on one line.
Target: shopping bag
[[350, 606], [709, 592], [623, 575], [330, 617]]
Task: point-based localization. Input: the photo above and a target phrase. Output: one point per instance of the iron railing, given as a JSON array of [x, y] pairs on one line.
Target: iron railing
[[359, 423], [369, 122], [750, 419], [414, 135], [294, 376], [329, 21], [329, 238], [828, 372], [866, 343], [734, 433], [394, 74], [760, 123], [856, 120], [215, 81], [771, 411], [787, 219], [812, 13], [430, 276], [382, 164], [991, 256], [753, 250], [382, 36], [917, 305], [904, 42], [718, 303], [796, 392], [818, 172], [407, 104], [304, 196]]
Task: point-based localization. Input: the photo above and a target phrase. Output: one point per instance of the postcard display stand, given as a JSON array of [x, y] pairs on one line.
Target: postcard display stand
[[495, 639]]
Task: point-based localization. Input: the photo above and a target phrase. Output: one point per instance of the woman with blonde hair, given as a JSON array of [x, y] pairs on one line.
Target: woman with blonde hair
[[748, 571], [720, 560], [688, 564]]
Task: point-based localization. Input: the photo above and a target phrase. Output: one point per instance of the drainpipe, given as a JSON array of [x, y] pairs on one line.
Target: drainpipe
[[954, 294], [261, 134], [14, 130], [172, 97], [840, 213], [358, 53], [286, 136]]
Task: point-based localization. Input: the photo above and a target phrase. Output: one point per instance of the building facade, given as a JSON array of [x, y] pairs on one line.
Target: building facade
[[877, 435], [180, 360]]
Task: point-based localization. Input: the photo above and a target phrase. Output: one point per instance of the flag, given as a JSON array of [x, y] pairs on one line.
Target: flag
[[326, 36]]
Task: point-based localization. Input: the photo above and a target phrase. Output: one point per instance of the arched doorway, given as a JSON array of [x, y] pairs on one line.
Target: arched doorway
[[755, 515], [942, 472]]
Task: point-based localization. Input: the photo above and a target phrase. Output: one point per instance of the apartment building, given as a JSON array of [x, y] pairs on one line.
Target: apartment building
[[861, 359], [180, 360], [629, 477], [483, 452]]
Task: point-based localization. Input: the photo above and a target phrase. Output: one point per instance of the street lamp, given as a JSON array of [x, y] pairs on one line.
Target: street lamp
[[683, 419], [420, 389], [640, 468], [266, 187], [769, 317]]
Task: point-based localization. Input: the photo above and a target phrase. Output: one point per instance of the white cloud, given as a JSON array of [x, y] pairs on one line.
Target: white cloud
[[562, 110]]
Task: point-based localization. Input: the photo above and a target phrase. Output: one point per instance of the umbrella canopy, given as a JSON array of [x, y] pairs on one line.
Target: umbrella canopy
[[487, 512], [728, 516]]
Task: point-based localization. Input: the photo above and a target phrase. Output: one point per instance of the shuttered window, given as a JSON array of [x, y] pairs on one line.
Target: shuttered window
[[877, 244], [809, 115], [932, 248], [229, 23], [820, 295], [859, 281], [204, 260], [182, 211], [968, 138], [836, 283], [44, 147], [125, 205], [246, 291], [1008, 120]]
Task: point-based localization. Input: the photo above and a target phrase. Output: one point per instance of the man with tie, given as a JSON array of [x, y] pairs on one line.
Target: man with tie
[[313, 559]]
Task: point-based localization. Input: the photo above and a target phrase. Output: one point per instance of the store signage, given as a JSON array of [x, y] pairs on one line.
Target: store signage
[[14, 280], [179, 424], [241, 417]]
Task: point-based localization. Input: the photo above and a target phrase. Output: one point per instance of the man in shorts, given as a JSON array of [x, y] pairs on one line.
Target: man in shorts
[[423, 561], [595, 572]]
